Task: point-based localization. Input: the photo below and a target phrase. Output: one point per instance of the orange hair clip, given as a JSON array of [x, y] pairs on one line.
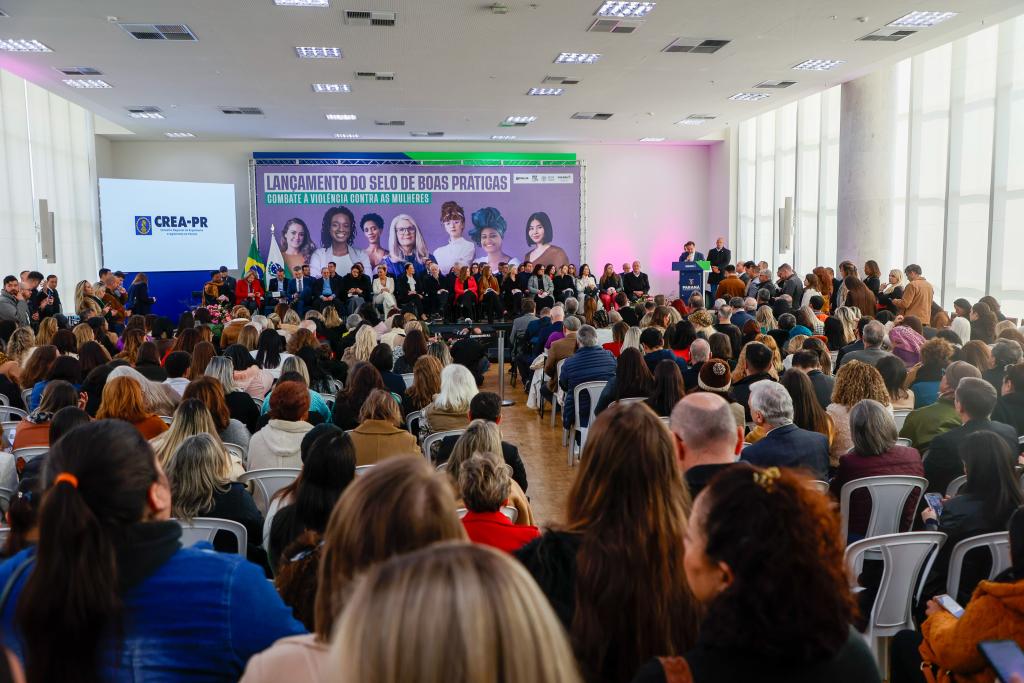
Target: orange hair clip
[[66, 477]]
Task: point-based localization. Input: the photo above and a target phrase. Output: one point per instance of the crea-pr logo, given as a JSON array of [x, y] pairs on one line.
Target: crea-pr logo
[[143, 225]]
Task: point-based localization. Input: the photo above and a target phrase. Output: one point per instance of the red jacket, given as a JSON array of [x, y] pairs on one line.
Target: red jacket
[[461, 288], [497, 530], [242, 291]]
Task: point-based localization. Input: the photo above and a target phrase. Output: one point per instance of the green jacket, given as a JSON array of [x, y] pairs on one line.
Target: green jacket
[[924, 424]]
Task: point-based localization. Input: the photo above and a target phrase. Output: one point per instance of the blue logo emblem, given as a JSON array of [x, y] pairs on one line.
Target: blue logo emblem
[[274, 268], [143, 225]]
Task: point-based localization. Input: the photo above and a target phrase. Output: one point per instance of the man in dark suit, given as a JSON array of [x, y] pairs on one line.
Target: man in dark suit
[[785, 444], [975, 400], [636, 283], [329, 292], [301, 291], [487, 406], [719, 257], [229, 282], [759, 360], [807, 363], [278, 291]]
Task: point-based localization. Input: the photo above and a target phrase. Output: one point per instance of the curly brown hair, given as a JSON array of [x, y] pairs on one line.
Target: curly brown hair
[[936, 353], [856, 381], [782, 517]]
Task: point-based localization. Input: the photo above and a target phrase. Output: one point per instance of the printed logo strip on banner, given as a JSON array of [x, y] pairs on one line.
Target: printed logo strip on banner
[[542, 178]]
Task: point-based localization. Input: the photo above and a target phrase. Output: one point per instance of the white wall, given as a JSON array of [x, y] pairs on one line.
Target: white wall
[[642, 201]]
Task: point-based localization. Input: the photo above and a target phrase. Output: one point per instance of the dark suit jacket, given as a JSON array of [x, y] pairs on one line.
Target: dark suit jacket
[[363, 282], [823, 385], [402, 294], [790, 446], [632, 282], [337, 288], [943, 463], [654, 357], [38, 300], [719, 258], [629, 316], [286, 291], [305, 297], [509, 452], [139, 300]]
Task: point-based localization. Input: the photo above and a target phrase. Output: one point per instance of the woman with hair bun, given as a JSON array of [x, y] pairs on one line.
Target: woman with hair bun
[[539, 234], [489, 232], [459, 251]]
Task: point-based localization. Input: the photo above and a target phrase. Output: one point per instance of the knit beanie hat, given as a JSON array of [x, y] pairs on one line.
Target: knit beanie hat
[[715, 375]]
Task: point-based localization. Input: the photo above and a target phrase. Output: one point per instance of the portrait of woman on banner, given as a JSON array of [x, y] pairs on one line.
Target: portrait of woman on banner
[[372, 225], [489, 232], [406, 245], [337, 235], [296, 244], [459, 251], [539, 233]]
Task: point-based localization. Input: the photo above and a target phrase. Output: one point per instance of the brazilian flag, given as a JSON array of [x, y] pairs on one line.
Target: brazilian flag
[[254, 260]]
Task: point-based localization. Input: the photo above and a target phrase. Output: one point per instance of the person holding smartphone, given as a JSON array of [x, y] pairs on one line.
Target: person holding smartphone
[[948, 645]]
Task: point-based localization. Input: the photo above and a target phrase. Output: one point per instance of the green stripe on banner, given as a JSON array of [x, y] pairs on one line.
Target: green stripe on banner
[[492, 158]]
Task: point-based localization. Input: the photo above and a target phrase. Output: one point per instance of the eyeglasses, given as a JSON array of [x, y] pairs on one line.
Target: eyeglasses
[[407, 230]]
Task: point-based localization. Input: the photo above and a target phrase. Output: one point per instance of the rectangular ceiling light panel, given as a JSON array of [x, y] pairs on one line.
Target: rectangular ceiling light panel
[[318, 52], [623, 10], [332, 87], [921, 19], [577, 58], [22, 45]]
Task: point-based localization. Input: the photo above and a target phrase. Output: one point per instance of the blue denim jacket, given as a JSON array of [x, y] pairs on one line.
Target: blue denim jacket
[[199, 617]]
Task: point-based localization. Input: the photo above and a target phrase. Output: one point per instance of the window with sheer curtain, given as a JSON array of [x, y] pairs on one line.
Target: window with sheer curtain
[[47, 151]]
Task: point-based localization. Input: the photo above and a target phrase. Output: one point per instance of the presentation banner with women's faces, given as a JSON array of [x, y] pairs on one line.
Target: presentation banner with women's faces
[[397, 215]]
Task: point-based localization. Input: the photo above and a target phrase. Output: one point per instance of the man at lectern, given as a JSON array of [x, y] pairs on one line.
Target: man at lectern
[[690, 253]]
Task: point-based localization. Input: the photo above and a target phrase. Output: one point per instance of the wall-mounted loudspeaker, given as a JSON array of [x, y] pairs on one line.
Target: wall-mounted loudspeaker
[[786, 226], [46, 239]]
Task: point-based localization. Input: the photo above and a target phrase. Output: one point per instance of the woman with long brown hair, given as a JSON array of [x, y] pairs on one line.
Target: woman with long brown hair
[[860, 297], [614, 570], [825, 287], [633, 379], [202, 354], [123, 400], [426, 384], [807, 411]]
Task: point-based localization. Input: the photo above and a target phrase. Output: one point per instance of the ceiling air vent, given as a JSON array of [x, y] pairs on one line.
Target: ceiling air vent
[[697, 119], [608, 25], [696, 45], [775, 84], [78, 71], [560, 80], [368, 18], [888, 35], [159, 31], [242, 111], [389, 123], [375, 75], [143, 110], [591, 116], [427, 133], [4, 15]]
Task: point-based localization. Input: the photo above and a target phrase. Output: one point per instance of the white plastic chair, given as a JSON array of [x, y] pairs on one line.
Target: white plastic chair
[[900, 416], [507, 510], [267, 482], [436, 438], [889, 495], [407, 378], [5, 501], [362, 469], [238, 451], [998, 544], [329, 400], [624, 401], [7, 429], [412, 422], [206, 528], [904, 442], [559, 399], [29, 453], [9, 413], [26, 397], [955, 485], [818, 485], [4, 533], [167, 419], [666, 420], [4, 401], [593, 390], [906, 558]]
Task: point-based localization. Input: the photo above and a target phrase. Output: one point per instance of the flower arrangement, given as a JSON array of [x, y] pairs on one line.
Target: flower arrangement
[[219, 316]]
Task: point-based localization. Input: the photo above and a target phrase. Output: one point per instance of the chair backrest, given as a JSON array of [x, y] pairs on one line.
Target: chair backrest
[[362, 469], [593, 391], [666, 420], [9, 413], [407, 378], [167, 419], [558, 377], [7, 431], [436, 437], [26, 397], [998, 545], [329, 400], [507, 510], [412, 422], [904, 442], [905, 557], [206, 528], [4, 533], [818, 485], [240, 452], [5, 502], [955, 485], [1020, 440], [889, 495], [900, 416], [267, 482], [623, 401], [28, 454], [4, 401]]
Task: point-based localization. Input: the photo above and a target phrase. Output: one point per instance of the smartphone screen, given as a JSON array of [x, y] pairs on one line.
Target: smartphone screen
[[934, 501], [950, 605], [1004, 656]]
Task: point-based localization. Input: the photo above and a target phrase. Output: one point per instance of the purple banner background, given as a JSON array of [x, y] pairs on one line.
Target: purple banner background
[[560, 201]]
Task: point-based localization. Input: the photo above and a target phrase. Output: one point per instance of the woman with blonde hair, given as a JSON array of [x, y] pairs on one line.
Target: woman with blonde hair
[[765, 319], [855, 381], [848, 316], [366, 341], [450, 407], [379, 434], [631, 340], [620, 550], [47, 328], [83, 333], [384, 289], [416, 596], [249, 337], [123, 400], [398, 506], [160, 398], [132, 340], [777, 366], [439, 350], [426, 384], [483, 436], [19, 346], [86, 302], [191, 417]]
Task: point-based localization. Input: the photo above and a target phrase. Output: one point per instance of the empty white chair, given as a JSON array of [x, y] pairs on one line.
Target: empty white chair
[[593, 391], [267, 482], [429, 442], [167, 419], [955, 485], [507, 510], [407, 378], [206, 528], [906, 558], [900, 416], [998, 544], [889, 495], [238, 451]]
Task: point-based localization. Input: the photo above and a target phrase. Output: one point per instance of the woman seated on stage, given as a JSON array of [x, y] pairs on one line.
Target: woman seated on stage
[[465, 295]]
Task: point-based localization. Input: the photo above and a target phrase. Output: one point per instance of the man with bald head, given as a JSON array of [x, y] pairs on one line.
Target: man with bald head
[[707, 438]]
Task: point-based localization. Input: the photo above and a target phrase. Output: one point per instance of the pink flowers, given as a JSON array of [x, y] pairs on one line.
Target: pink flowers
[[218, 314]]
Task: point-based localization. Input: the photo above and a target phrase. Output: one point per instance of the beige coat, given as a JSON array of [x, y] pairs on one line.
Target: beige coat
[[917, 300], [376, 440], [559, 351]]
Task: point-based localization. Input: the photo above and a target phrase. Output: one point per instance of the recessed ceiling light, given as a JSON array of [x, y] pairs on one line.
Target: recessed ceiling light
[[633, 10], [819, 64], [503, 138], [511, 120], [92, 83], [341, 117], [302, 3], [22, 45], [545, 91], [318, 52], [652, 139], [346, 136], [577, 58], [750, 96], [331, 87], [921, 19], [180, 135], [146, 115]]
